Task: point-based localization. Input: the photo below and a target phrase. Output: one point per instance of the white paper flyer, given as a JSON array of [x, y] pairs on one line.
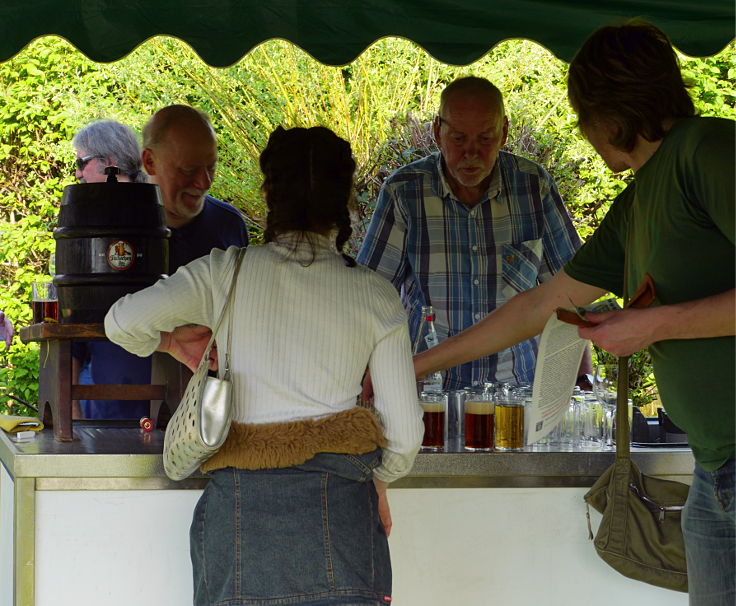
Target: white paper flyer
[[558, 360]]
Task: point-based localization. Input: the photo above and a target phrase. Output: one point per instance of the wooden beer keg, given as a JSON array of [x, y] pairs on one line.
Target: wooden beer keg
[[111, 240]]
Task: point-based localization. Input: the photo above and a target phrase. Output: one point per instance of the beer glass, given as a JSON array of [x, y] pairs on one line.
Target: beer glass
[[605, 384], [434, 405], [479, 421], [605, 388], [592, 416], [510, 423], [455, 420], [566, 436], [45, 304]]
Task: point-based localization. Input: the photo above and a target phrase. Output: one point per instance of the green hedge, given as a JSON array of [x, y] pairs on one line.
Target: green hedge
[[382, 103]]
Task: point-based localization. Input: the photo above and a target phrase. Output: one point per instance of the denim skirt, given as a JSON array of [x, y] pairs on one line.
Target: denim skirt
[[308, 534]]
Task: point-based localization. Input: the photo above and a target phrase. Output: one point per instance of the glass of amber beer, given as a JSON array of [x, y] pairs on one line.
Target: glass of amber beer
[[434, 405], [479, 421], [510, 423]]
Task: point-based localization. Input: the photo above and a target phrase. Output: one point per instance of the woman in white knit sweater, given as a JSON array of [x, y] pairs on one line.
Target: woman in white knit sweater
[[290, 514]]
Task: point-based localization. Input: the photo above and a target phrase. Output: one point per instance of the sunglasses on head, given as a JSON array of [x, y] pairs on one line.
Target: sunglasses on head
[[82, 162]]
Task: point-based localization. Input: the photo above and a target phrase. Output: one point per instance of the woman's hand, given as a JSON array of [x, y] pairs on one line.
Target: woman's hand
[[187, 344], [384, 511], [367, 387]]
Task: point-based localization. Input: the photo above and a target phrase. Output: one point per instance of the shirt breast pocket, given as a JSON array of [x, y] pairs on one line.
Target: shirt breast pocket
[[520, 264]]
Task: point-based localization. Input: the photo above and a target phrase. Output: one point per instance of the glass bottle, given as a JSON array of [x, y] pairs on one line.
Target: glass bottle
[[433, 382]]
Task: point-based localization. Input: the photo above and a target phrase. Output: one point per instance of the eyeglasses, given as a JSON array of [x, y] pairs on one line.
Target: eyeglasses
[[82, 162]]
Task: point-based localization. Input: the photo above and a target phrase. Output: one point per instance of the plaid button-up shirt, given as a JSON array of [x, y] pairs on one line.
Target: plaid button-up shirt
[[467, 260]]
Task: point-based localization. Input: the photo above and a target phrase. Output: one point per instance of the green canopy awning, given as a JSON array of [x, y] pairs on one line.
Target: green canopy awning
[[336, 31]]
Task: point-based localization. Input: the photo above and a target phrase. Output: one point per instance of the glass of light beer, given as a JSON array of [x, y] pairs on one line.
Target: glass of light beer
[[434, 405], [45, 304], [510, 423], [479, 421]]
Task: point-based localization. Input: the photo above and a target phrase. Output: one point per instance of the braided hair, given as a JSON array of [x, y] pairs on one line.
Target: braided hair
[[308, 183]]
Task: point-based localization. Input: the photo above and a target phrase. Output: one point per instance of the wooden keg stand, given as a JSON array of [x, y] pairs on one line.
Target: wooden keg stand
[[56, 390]]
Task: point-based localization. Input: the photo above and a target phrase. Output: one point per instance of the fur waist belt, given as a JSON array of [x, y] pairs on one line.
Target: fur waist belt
[[272, 445]]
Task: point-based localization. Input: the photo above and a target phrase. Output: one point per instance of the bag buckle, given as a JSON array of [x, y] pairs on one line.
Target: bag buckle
[[659, 510]]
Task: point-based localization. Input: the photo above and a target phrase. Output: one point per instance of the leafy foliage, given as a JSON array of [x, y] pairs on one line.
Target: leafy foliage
[[383, 103]]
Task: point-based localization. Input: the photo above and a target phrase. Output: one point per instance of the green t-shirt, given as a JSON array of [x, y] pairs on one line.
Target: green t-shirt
[[676, 221]]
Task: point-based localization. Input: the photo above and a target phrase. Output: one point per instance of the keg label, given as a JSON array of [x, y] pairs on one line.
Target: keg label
[[120, 255]]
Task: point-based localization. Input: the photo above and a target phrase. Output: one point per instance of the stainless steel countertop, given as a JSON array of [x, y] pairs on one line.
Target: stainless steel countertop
[[110, 456]]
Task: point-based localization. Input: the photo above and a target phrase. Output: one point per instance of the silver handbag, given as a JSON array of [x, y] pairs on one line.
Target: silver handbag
[[201, 422]]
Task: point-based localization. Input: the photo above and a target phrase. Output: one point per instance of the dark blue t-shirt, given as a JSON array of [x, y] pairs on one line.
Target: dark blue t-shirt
[[219, 225]]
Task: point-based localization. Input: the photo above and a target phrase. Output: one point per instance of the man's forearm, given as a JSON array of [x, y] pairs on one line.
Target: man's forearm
[[519, 319], [512, 323], [713, 316], [624, 332]]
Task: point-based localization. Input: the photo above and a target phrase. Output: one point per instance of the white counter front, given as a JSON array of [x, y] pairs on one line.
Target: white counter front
[[96, 522]]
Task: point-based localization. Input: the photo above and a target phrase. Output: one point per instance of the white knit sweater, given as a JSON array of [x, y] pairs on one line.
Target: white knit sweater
[[303, 335]]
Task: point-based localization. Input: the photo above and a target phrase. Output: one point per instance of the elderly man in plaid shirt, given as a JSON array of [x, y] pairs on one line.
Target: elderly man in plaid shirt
[[468, 227]]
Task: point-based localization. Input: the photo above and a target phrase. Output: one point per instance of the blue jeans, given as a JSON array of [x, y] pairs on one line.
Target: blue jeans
[[709, 529], [85, 378], [307, 535]]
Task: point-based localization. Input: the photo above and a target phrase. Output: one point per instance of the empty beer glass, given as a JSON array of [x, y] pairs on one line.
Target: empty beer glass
[[592, 423], [605, 388], [455, 421]]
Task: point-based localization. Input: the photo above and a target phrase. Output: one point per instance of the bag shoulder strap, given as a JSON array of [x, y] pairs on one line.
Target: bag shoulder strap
[[216, 327], [623, 440], [229, 308], [623, 447]]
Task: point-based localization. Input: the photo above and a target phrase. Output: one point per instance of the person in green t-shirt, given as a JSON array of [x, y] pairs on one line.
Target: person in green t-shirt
[[675, 222]]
